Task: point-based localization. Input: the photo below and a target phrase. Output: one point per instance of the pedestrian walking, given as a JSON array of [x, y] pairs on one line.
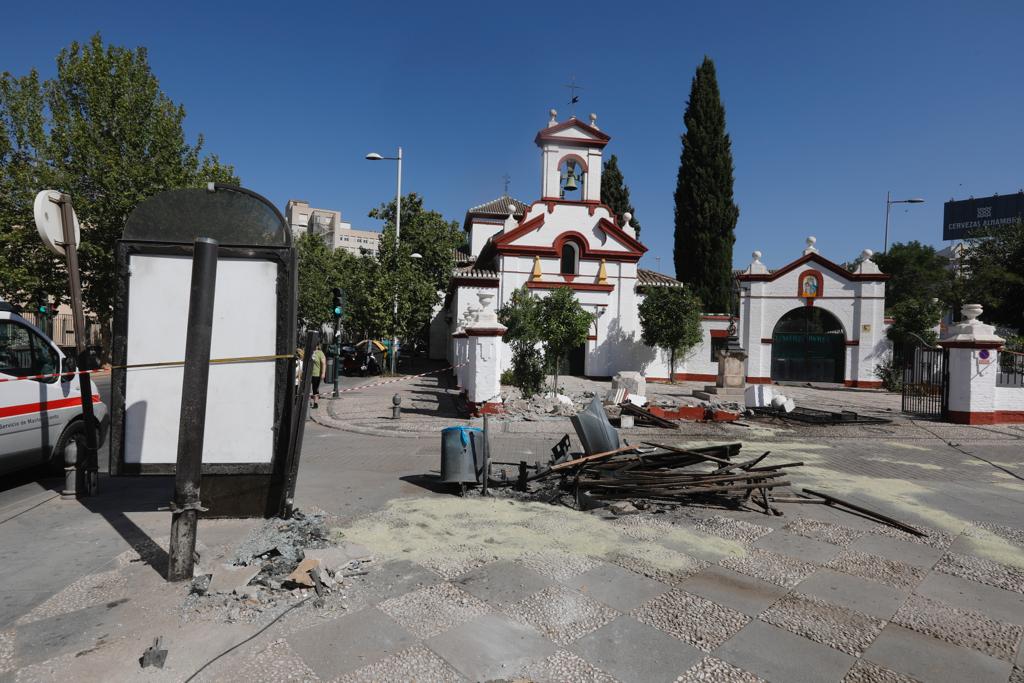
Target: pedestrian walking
[[299, 353], [319, 374]]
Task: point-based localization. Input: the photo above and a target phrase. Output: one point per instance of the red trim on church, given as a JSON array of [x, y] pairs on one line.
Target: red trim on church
[[719, 334], [522, 229], [549, 134], [812, 258], [575, 286]]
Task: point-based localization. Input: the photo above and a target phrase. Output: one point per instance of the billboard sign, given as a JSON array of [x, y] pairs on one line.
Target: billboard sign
[[980, 216]]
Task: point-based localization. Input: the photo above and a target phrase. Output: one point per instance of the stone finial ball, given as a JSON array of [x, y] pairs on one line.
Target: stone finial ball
[[627, 217], [811, 240], [593, 117], [553, 113], [756, 255], [867, 254]]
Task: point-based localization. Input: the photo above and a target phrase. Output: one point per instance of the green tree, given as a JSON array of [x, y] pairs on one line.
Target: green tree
[[993, 276], [426, 233], [912, 319], [916, 272], [367, 309], [670, 320], [522, 316], [29, 267], [320, 271], [115, 140], [105, 133], [615, 192], [705, 213], [564, 325]]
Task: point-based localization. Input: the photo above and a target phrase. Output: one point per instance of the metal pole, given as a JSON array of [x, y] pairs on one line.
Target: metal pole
[[487, 454], [337, 357], [300, 409], [192, 423], [398, 234], [888, 203], [91, 479]]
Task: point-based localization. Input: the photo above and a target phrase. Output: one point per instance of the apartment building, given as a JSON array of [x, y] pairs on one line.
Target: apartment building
[[336, 233]]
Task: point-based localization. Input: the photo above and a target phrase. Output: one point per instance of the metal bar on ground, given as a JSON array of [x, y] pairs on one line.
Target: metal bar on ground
[[192, 423], [871, 513]]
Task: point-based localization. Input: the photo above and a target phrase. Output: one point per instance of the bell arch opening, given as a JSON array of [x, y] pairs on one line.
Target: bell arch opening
[[809, 345]]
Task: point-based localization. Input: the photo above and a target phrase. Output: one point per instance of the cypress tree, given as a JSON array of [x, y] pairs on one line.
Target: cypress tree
[[615, 192], [705, 213]]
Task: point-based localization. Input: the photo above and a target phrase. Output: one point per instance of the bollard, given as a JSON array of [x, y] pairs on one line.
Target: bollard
[[70, 472], [396, 407]]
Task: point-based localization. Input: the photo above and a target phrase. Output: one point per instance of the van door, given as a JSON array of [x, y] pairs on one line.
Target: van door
[[33, 412]]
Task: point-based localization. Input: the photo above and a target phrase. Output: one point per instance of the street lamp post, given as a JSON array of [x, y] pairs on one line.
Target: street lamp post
[[889, 201], [373, 156]]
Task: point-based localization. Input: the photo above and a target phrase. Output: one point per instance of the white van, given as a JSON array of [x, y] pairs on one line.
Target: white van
[[38, 417]]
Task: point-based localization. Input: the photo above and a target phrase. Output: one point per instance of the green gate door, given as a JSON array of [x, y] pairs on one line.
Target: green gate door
[[808, 345]]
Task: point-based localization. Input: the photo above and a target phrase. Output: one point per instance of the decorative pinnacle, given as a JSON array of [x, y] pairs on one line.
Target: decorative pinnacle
[[593, 120]]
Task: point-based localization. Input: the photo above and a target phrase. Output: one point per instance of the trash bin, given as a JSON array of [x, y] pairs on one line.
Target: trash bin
[[461, 455]]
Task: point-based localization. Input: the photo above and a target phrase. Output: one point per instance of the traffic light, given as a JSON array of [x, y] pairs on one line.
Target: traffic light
[[42, 309], [336, 307]]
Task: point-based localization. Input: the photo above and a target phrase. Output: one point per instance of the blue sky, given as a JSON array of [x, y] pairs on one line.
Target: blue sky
[[828, 105]]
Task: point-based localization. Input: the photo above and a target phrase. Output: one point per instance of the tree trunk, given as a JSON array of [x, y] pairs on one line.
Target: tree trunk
[[672, 366]]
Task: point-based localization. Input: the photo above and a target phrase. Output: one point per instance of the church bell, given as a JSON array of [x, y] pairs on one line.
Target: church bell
[[570, 177]]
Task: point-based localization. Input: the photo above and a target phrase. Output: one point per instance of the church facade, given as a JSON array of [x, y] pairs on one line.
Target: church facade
[[568, 238]]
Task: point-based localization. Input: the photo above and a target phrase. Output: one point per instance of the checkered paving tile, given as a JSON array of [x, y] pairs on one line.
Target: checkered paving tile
[[558, 565], [836, 534], [865, 672], [691, 618], [416, 663], [564, 666], [813, 618], [712, 670], [781, 570], [732, 529], [968, 628], [560, 613], [434, 609], [983, 571], [876, 568]]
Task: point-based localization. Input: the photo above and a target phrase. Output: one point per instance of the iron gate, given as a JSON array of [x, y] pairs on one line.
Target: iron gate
[[926, 381]]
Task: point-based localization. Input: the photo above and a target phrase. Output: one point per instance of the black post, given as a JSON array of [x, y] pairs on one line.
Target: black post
[[487, 454], [300, 408], [185, 508], [91, 480]]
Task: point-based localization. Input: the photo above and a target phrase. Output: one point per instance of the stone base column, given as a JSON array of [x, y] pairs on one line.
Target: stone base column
[[973, 351]]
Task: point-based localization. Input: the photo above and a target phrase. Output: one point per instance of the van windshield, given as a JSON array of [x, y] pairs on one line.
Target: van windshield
[[23, 353]]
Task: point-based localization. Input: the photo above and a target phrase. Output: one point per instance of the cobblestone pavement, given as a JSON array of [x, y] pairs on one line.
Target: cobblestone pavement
[[490, 589]]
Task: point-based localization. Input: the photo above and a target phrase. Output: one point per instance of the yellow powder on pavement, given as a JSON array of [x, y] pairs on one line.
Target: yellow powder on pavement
[[984, 543], [425, 529]]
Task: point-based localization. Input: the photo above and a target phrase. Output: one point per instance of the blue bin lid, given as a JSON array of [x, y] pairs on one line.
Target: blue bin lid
[[461, 428]]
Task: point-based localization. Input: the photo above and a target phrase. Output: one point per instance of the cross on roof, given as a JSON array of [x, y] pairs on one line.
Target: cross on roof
[[573, 97]]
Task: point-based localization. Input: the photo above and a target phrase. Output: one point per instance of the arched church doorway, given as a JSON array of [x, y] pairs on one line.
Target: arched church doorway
[[808, 345]]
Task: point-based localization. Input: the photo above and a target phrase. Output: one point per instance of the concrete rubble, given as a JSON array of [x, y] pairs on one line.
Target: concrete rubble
[[279, 562]]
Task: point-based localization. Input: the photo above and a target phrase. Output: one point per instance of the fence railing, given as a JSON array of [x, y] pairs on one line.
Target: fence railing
[[1011, 369]]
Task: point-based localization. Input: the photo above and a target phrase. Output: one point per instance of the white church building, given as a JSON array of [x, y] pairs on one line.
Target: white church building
[[810, 309]]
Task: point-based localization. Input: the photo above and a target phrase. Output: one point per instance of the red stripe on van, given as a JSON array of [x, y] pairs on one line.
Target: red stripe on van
[[26, 408]]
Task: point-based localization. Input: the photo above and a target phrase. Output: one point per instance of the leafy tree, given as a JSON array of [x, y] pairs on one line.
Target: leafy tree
[[522, 316], [564, 325], [914, 318], [426, 233], [705, 213], [993, 276], [917, 272], [373, 282], [29, 267], [105, 133], [615, 192], [320, 271], [670, 320]]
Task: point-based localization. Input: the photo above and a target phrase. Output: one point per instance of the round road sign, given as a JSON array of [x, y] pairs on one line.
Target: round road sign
[[48, 221]]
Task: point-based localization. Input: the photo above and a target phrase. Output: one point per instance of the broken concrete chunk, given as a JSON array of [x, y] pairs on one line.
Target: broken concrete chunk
[[622, 507], [227, 577], [632, 382], [301, 574]]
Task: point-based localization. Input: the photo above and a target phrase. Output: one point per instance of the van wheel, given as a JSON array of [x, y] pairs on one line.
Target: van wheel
[[73, 433]]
